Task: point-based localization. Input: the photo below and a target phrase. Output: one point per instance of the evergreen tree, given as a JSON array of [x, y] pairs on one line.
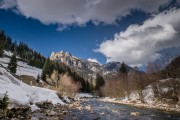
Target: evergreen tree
[[8, 44], [4, 104], [87, 87], [99, 81], [2, 42], [47, 69], [14, 46], [27, 54], [91, 87], [123, 69], [38, 78], [13, 64]]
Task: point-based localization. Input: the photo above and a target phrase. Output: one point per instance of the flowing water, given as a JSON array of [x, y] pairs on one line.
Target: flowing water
[[111, 111]]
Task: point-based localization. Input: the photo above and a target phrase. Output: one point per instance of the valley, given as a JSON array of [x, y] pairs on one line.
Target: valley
[[89, 60], [80, 107]]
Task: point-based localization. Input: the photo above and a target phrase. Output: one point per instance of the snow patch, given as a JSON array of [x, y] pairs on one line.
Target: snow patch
[[22, 93], [83, 95], [22, 68], [66, 99], [4, 61], [8, 53], [34, 107], [25, 69]]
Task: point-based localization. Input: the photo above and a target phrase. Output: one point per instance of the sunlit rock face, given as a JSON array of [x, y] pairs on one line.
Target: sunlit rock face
[[72, 61], [85, 67]]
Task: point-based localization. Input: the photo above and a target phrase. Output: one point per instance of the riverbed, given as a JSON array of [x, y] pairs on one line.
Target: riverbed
[[94, 109]]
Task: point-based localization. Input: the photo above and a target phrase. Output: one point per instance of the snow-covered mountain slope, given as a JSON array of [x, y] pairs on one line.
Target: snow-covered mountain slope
[[21, 93], [22, 67]]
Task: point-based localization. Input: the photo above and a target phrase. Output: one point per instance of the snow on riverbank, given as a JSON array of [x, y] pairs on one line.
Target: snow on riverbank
[[158, 106], [21, 93], [83, 95]]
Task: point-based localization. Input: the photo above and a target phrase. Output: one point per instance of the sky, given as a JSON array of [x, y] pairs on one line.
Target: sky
[[98, 30]]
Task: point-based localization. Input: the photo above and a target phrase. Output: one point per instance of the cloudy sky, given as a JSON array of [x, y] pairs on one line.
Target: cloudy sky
[[98, 30]]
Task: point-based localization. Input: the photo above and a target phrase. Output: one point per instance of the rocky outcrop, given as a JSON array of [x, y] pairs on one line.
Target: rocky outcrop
[[85, 67], [66, 58], [77, 63]]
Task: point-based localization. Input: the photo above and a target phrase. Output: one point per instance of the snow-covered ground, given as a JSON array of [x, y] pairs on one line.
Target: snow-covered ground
[[4, 61], [8, 53], [149, 100], [22, 67], [83, 95], [21, 93]]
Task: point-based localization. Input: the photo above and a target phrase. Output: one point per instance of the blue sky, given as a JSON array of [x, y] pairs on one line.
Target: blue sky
[[89, 33]]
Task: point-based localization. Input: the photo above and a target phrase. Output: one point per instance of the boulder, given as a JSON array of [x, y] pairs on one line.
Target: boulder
[[135, 113]]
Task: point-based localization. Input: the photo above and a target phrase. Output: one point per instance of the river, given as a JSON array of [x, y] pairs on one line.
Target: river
[[110, 111]]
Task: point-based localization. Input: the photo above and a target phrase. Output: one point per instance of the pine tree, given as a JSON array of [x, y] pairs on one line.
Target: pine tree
[[8, 43], [99, 81], [38, 78], [91, 87], [87, 87], [4, 104], [47, 69], [123, 69], [44, 71], [13, 64], [2, 42], [14, 46]]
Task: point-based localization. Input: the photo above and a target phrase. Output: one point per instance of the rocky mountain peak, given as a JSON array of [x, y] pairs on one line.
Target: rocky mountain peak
[[84, 66], [76, 63], [66, 58]]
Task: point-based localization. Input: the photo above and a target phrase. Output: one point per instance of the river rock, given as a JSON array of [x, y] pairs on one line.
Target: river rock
[[92, 112], [87, 107], [52, 113], [102, 113], [135, 113], [98, 118], [116, 111], [45, 105], [22, 112], [80, 107], [64, 112], [41, 118]]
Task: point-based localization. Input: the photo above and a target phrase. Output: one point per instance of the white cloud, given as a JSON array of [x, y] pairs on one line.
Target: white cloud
[[79, 12], [5, 4], [93, 60], [62, 28], [138, 44]]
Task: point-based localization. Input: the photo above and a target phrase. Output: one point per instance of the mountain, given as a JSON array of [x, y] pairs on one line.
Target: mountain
[[172, 70], [166, 56], [85, 67], [72, 61]]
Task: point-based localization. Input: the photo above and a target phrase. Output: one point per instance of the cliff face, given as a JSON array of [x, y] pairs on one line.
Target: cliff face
[[77, 63], [66, 58], [85, 67]]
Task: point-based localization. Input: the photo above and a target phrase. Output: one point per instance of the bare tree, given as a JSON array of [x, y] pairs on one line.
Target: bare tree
[[68, 86]]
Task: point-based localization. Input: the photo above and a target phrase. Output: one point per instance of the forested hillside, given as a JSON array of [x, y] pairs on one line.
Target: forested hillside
[[22, 50]]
